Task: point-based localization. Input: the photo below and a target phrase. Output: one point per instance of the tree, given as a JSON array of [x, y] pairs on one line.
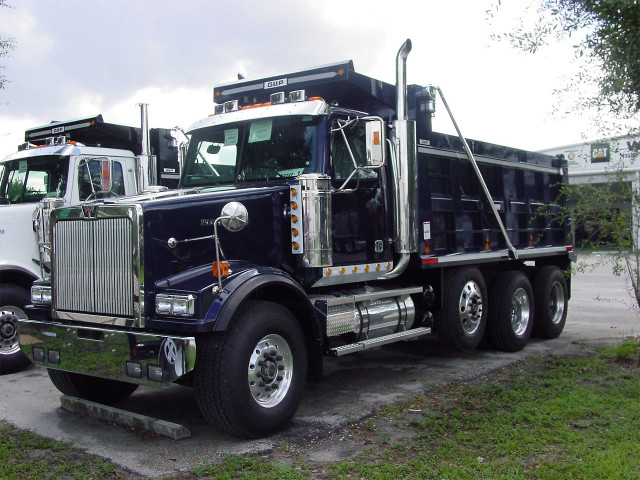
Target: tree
[[607, 33], [6, 45], [607, 44]]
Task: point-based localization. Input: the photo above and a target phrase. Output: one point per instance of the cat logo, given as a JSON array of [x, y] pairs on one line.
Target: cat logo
[[600, 152]]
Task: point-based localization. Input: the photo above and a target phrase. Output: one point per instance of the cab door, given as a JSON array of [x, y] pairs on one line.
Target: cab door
[[358, 206]]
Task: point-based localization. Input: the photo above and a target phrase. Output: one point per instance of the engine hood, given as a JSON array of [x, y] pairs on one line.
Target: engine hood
[[190, 215]]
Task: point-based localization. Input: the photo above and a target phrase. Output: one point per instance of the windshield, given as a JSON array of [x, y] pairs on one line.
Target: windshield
[[259, 150], [31, 179]]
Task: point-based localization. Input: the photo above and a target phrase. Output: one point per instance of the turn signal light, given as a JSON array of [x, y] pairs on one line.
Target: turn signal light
[[220, 269]]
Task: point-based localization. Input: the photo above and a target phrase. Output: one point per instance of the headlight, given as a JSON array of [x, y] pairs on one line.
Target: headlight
[[182, 305], [40, 294]]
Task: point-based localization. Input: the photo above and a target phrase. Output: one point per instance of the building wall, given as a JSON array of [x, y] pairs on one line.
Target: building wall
[[592, 161], [597, 161]]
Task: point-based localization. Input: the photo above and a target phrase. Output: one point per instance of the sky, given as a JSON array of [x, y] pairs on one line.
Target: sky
[[77, 58]]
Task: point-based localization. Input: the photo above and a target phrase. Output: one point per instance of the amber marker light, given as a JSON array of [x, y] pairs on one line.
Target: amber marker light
[[294, 218], [355, 269], [366, 269], [294, 191], [294, 205], [294, 232], [342, 270], [296, 245], [220, 269]]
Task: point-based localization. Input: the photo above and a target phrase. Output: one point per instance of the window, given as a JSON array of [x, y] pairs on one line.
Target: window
[[263, 149], [90, 179], [31, 179], [353, 142]]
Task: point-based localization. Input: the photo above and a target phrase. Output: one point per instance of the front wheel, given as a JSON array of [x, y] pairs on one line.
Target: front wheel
[[94, 389], [249, 380], [463, 319], [511, 317], [12, 302]]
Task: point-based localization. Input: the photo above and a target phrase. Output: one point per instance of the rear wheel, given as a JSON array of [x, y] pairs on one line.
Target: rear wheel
[[12, 302], [463, 319], [511, 317], [94, 389], [249, 380], [552, 301]]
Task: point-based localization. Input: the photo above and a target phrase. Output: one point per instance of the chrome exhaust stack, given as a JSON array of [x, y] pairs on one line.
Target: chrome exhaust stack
[[404, 168], [147, 168]]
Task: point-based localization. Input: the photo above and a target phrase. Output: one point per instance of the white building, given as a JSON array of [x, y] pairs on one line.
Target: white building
[[593, 161], [597, 162]]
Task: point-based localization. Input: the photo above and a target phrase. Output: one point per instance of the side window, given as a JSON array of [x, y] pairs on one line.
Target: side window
[[15, 184], [356, 142], [36, 187], [89, 179]]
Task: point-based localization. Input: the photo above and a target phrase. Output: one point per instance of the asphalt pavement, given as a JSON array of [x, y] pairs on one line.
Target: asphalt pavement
[[354, 387]]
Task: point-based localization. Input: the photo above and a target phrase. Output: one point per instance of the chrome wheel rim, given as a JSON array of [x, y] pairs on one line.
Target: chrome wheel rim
[[270, 370], [470, 307], [9, 344], [556, 303], [520, 311]]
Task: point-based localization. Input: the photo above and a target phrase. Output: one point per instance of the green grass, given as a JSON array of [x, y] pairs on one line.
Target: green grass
[[26, 456], [546, 418]]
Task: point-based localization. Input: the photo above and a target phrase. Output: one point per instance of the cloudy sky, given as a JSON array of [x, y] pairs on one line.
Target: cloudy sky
[[76, 58]]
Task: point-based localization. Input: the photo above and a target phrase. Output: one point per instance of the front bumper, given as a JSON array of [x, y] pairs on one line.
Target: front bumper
[[141, 358]]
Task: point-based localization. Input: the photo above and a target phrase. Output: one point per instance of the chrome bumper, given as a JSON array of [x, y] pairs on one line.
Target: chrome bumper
[[141, 358]]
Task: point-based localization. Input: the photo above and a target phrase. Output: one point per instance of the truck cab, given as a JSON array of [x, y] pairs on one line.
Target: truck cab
[[54, 168]]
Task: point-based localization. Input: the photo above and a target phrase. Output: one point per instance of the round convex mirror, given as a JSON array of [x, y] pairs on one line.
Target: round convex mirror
[[234, 216]]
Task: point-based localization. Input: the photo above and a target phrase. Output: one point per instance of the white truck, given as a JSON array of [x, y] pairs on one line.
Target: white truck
[[63, 164]]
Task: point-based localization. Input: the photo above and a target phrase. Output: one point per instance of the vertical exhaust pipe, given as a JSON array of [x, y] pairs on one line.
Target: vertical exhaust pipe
[[147, 168], [404, 171], [401, 80], [144, 127]]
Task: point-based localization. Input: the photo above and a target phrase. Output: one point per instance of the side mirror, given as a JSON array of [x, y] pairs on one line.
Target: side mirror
[[106, 169], [234, 216], [375, 142]]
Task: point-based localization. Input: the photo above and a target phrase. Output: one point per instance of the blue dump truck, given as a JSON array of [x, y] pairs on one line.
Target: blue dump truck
[[318, 215]]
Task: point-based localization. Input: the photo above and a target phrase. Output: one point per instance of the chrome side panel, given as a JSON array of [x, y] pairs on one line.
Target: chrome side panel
[[79, 347], [368, 312], [97, 264], [315, 191]]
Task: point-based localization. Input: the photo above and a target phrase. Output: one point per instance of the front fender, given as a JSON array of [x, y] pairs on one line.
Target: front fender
[[249, 283]]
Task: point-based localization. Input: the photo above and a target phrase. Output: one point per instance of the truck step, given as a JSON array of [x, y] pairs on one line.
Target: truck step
[[377, 342]]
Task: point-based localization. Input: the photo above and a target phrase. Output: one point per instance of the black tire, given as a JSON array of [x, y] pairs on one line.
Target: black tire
[[511, 314], [264, 339], [94, 389], [551, 296], [12, 302], [463, 319]]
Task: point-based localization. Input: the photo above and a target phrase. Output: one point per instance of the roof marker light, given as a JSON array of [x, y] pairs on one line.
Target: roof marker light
[[298, 96], [231, 106], [277, 97]]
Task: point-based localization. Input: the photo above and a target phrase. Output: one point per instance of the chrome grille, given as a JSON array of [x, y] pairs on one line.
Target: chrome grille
[[93, 266]]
